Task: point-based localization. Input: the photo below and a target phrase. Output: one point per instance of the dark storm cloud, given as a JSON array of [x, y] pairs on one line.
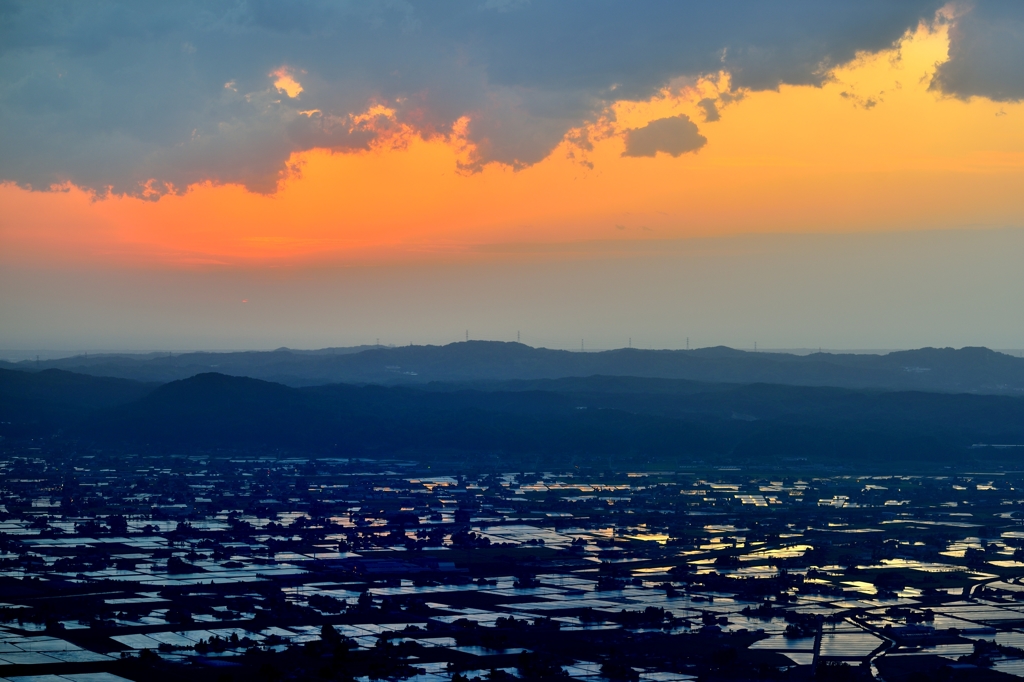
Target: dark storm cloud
[[110, 95], [674, 136], [986, 53]]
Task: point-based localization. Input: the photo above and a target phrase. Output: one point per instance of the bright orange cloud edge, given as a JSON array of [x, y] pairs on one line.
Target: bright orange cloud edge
[[872, 149]]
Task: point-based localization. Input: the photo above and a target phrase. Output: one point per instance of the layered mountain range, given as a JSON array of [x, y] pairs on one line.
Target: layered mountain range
[[876, 411], [929, 369]]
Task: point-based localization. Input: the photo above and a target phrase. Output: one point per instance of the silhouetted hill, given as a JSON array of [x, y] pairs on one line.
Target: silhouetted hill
[[54, 397], [928, 369], [593, 417]]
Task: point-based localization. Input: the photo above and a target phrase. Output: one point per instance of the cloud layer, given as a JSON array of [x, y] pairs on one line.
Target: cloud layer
[[141, 99]]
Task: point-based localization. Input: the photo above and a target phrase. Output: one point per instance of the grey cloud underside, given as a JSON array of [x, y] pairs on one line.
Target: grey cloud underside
[[674, 136], [109, 95], [986, 53]]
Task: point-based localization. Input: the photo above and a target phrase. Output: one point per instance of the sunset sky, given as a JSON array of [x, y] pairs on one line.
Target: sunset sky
[[250, 175]]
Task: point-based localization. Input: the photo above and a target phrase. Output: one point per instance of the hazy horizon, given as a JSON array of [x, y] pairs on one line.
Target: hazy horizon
[[21, 355], [887, 290]]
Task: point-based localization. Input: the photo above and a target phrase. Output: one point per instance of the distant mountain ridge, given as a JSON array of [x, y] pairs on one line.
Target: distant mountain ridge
[[978, 370]]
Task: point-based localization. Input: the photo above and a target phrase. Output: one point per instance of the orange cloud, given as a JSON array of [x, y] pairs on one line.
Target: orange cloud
[[284, 81]]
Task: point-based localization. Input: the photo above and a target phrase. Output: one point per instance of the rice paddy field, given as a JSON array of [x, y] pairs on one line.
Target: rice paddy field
[[139, 567]]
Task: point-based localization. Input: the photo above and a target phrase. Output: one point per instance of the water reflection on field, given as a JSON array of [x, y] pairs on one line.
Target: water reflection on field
[[198, 558]]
